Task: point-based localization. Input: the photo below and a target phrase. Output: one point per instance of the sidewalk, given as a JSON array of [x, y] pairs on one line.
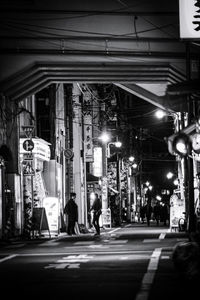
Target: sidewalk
[[139, 228]]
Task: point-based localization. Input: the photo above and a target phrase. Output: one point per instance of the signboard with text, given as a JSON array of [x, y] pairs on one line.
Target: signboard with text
[[189, 18], [52, 210], [105, 218], [177, 209]]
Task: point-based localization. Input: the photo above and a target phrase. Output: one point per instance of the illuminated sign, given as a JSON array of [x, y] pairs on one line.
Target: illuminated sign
[[177, 209], [97, 165], [189, 17]]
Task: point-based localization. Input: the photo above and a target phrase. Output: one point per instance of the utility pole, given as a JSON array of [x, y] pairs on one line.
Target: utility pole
[[118, 177]]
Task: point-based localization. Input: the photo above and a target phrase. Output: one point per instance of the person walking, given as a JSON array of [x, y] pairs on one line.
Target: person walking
[[142, 213], [165, 214], [71, 209], [157, 211], [148, 212], [96, 208]]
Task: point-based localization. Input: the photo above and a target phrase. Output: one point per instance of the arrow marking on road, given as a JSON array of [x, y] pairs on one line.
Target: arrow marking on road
[[70, 262]]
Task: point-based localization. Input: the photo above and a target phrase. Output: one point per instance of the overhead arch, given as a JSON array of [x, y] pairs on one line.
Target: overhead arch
[[39, 75]]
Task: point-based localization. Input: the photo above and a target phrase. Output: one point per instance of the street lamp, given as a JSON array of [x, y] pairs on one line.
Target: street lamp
[[131, 158], [169, 175], [117, 144], [160, 114], [105, 138]]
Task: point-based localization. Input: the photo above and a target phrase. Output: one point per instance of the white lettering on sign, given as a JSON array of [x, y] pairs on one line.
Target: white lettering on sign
[[189, 17]]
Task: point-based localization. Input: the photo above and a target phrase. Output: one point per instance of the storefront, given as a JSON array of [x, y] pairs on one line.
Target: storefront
[[32, 172]]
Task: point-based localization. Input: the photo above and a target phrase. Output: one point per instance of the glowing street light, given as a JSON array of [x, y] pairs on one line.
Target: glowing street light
[[150, 187], [134, 166], [169, 175], [158, 197], [131, 158], [104, 137], [176, 182], [160, 113]]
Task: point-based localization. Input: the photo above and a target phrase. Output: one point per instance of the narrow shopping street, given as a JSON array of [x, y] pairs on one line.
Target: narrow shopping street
[[130, 262], [100, 149]]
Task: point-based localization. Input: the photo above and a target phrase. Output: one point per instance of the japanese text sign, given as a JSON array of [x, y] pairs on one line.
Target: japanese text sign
[[189, 16]]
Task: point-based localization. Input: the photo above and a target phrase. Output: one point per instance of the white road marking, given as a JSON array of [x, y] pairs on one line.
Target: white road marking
[[149, 275], [74, 266], [57, 266], [151, 241], [98, 246], [111, 231], [75, 258], [118, 242], [165, 257], [8, 257], [162, 236], [70, 261], [83, 243]]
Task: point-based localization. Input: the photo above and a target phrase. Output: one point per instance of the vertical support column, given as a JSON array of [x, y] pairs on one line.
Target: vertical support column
[[104, 179], [60, 134], [129, 174], [78, 153], [190, 169], [2, 200], [119, 186]]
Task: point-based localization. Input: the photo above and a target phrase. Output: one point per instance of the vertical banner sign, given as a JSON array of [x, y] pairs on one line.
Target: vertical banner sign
[[189, 18], [104, 195], [88, 130]]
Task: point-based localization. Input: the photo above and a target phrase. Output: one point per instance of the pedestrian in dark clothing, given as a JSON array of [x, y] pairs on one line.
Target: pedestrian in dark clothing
[[142, 213], [148, 212], [96, 207], [71, 209], [156, 211], [165, 214]]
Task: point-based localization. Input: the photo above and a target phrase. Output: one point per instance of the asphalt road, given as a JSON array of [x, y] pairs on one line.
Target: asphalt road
[[133, 262]]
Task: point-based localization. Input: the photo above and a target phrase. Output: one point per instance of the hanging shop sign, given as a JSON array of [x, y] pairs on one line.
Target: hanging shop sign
[[189, 18], [88, 140], [104, 192], [97, 164], [88, 128]]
